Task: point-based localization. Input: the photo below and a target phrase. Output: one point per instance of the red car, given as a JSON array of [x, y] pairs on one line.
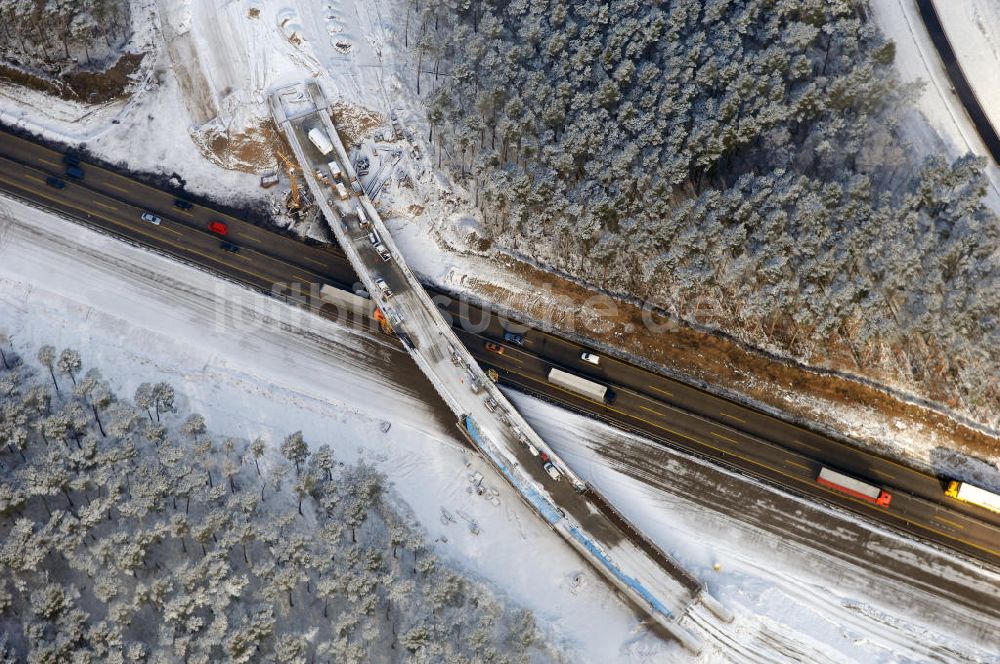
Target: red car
[[218, 227], [494, 348]]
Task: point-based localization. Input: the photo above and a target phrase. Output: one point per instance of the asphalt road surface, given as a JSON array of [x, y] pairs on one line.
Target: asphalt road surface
[[962, 87], [664, 409]]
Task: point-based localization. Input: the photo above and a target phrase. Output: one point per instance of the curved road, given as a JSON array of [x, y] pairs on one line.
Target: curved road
[[963, 89]]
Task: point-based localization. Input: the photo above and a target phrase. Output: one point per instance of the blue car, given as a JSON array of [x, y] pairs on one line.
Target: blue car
[[74, 172], [53, 181], [513, 338]]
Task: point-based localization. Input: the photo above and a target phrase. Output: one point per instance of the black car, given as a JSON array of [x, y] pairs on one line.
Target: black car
[[405, 338], [229, 246], [53, 181], [182, 204], [74, 172]]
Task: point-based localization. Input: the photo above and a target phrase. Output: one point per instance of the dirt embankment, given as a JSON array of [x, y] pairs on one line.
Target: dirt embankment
[[354, 123], [881, 420], [80, 84], [252, 149]]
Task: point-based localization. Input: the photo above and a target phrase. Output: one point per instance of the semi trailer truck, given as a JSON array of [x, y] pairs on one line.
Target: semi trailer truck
[[580, 385], [973, 495], [854, 487]]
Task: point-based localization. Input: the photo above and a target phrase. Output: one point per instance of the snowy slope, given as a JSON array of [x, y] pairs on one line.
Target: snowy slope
[[973, 28], [944, 125], [252, 366]]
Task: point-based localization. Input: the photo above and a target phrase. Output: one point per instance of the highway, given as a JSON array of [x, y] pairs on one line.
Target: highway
[[654, 582], [664, 409]]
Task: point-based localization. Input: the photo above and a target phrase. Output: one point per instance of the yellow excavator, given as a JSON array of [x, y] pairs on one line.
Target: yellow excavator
[[290, 168]]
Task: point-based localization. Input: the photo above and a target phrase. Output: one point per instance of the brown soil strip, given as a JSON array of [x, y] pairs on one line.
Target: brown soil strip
[[708, 360], [92, 87]]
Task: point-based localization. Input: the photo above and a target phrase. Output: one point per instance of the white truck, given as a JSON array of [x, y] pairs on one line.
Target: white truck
[[580, 385], [320, 140], [362, 217], [335, 171]]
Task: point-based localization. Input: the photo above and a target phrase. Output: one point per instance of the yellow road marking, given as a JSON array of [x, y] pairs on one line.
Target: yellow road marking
[[105, 205], [314, 262], [944, 535], [305, 280], [49, 162], [949, 522], [719, 435], [796, 463], [141, 230], [121, 189], [883, 473], [733, 417], [805, 444], [513, 359], [655, 412], [794, 478], [653, 387]]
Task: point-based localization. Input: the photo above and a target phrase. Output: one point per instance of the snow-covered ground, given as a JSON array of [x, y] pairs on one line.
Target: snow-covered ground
[[973, 28], [230, 352], [151, 130], [945, 126], [204, 82], [253, 366]]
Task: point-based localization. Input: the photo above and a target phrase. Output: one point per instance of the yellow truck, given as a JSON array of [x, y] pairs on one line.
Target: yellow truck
[[968, 493]]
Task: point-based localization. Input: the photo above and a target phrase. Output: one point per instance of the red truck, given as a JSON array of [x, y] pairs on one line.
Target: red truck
[[853, 487]]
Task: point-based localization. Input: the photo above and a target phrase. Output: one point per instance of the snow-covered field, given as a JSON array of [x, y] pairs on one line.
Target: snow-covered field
[[231, 353]]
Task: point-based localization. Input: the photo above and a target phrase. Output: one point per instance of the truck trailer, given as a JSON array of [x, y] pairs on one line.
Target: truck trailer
[[854, 487], [320, 140], [345, 301], [968, 493], [578, 384]]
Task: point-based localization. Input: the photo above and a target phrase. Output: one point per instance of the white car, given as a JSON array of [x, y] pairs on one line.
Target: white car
[[150, 217], [384, 287], [552, 470], [590, 357]]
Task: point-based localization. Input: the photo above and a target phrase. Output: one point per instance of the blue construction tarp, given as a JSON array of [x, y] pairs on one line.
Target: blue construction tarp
[[621, 576], [537, 500]]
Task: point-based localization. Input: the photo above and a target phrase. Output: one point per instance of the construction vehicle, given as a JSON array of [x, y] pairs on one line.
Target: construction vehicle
[[383, 322], [295, 203], [320, 140]]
